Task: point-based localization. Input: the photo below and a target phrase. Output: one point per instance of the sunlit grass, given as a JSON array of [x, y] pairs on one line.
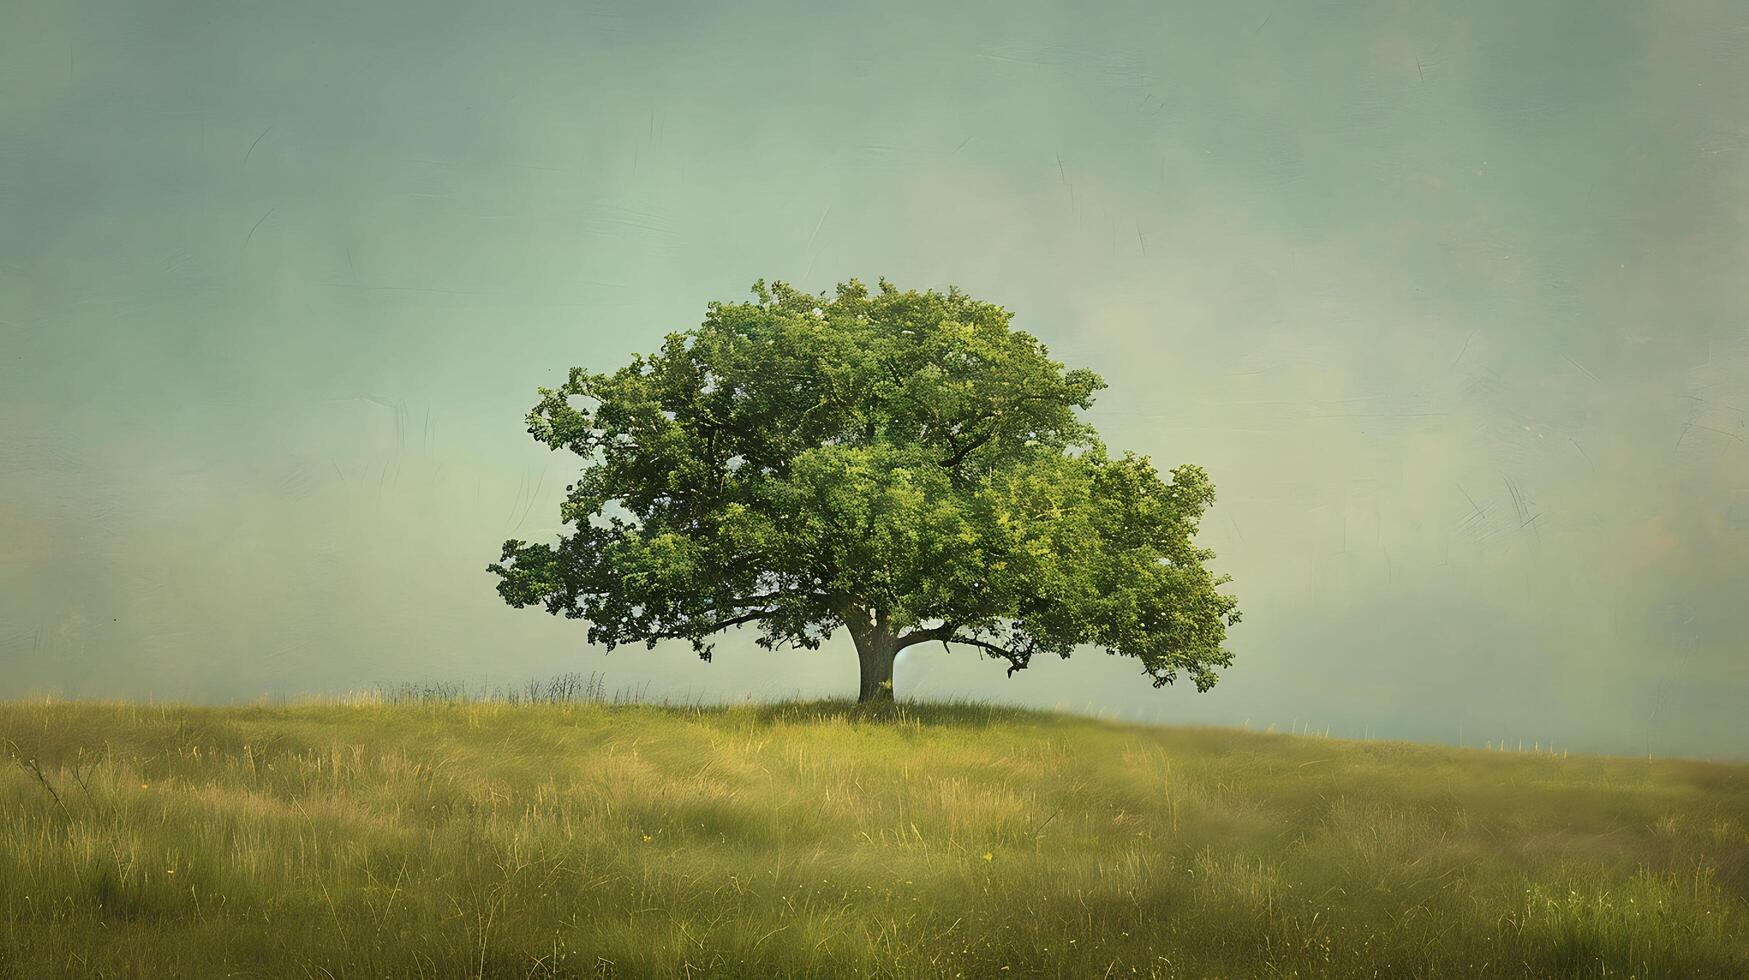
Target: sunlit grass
[[446, 837]]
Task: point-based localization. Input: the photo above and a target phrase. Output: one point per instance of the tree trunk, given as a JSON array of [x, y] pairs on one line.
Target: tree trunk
[[876, 651]]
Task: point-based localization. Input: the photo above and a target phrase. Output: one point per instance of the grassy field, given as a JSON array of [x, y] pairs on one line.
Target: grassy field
[[585, 839]]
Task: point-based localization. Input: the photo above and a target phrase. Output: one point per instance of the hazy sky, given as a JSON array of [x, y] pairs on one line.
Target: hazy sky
[[1451, 300]]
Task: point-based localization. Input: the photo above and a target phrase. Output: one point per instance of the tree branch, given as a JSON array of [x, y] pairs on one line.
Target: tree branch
[[925, 636], [993, 416], [720, 625], [947, 633], [953, 462], [760, 600], [993, 648]]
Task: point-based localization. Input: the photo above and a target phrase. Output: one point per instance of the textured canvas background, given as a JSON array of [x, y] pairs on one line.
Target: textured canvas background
[[1449, 298]]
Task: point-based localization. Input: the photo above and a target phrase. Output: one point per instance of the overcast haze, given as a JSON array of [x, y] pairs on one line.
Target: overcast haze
[[1449, 299]]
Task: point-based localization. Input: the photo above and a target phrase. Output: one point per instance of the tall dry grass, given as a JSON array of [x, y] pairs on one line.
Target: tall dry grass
[[447, 836]]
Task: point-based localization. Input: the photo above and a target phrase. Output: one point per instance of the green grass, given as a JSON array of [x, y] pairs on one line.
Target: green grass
[[457, 839]]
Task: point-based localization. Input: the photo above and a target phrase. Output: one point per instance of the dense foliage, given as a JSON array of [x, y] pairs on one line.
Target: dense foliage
[[903, 464]]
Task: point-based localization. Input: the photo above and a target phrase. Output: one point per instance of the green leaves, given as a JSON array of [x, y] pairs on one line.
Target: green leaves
[[905, 461]]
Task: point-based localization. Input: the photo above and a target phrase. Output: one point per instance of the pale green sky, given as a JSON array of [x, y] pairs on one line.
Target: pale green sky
[[1451, 299]]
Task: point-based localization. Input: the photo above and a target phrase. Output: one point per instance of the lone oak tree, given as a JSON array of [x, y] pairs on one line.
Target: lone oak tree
[[902, 464]]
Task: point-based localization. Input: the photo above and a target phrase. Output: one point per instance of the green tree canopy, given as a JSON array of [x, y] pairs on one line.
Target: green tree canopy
[[905, 465]]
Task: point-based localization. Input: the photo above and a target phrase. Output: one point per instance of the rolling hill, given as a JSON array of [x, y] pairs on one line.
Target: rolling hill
[[486, 839]]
